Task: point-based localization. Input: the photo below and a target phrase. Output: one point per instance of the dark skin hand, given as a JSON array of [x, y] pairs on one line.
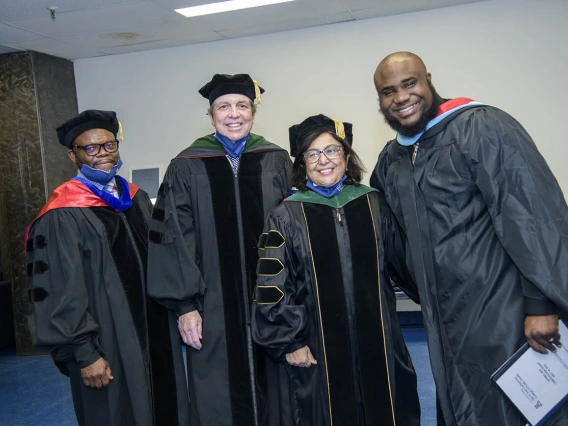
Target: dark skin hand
[[542, 332], [97, 375]]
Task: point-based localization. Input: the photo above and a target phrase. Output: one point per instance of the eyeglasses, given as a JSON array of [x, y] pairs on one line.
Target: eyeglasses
[[94, 148], [332, 152]]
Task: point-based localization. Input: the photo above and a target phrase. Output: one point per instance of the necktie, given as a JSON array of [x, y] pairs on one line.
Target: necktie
[[111, 188]]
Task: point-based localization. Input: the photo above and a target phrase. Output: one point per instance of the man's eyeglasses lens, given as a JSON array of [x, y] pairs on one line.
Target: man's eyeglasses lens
[[332, 152], [95, 148]]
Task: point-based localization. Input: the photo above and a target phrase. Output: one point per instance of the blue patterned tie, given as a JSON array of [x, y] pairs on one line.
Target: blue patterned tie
[[111, 188]]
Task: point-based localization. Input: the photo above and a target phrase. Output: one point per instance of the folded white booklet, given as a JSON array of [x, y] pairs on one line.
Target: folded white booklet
[[536, 384]]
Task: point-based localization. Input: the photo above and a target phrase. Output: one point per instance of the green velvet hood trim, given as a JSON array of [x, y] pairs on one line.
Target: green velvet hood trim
[[209, 142], [348, 193]]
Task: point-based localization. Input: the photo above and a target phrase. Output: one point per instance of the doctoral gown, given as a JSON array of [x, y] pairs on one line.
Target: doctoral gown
[[320, 284], [486, 228], [202, 255], [87, 275]]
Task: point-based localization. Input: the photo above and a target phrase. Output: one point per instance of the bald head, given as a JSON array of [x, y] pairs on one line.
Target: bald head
[[394, 62], [406, 95]]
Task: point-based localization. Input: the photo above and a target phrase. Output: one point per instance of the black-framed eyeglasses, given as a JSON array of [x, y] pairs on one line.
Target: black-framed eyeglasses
[[331, 151], [94, 148]]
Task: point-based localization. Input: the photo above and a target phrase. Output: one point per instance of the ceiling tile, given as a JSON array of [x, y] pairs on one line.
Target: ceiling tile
[[23, 9], [145, 34], [285, 26], [86, 28], [98, 20], [58, 48], [10, 34], [162, 44], [397, 8]]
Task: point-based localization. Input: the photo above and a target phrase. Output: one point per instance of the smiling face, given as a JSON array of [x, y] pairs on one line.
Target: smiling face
[[405, 91], [326, 172], [103, 160], [232, 116]]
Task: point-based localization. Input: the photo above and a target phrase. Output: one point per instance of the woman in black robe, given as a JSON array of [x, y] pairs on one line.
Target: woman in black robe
[[322, 305]]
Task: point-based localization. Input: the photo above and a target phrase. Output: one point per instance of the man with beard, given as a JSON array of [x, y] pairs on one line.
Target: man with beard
[[204, 231], [483, 232], [87, 287]]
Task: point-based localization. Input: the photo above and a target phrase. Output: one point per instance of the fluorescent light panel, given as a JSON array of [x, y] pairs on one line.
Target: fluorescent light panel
[[225, 6]]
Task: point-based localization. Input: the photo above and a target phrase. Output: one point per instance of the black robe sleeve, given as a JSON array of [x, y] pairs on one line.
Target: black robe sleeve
[[277, 323], [527, 208], [393, 237], [59, 320], [174, 279]]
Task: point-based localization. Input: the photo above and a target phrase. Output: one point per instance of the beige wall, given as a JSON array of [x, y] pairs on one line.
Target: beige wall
[[508, 53]]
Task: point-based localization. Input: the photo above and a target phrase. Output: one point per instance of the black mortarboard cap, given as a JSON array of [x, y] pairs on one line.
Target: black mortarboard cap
[[318, 123], [87, 120], [224, 84]]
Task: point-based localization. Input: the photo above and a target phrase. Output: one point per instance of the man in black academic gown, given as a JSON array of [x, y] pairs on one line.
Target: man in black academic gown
[[87, 252], [486, 228], [203, 253]]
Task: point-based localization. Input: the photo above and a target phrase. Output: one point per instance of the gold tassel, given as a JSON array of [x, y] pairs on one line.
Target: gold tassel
[[339, 129], [120, 137], [257, 93]]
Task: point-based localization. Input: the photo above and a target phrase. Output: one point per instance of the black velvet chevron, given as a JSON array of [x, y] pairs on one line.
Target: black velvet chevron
[[159, 214], [274, 240], [269, 267], [39, 242], [39, 267], [160, 238], [37, 294], [268, 294]]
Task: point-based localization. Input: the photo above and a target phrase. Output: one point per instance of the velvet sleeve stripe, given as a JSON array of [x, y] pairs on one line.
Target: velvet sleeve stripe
[[269, 267], [274, 240], [160, 214], [38, 242], [37, 294], [161, 237], [268, 295], [38, 267]]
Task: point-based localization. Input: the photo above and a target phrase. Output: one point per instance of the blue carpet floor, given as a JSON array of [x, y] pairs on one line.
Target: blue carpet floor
[[33, 393]]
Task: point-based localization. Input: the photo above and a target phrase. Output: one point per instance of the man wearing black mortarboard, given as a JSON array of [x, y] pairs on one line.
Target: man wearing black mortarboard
[[203, 251], [87, 252]]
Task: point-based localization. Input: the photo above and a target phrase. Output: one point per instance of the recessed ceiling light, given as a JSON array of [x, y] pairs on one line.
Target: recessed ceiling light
[[225, 6]]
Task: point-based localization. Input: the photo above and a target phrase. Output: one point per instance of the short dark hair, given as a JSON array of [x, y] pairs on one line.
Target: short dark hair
[[355, 168]]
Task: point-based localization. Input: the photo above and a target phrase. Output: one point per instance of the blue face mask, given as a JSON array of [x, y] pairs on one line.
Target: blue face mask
[[100, 176], [326, 191]]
